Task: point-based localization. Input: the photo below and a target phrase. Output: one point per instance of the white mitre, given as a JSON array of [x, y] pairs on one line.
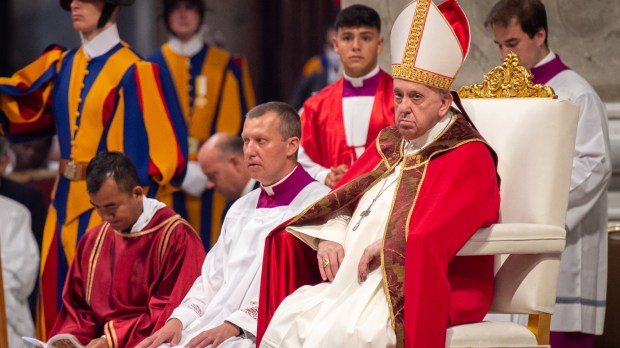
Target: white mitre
[[429, 43]]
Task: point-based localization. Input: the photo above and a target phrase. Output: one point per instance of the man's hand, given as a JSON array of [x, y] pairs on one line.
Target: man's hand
[[215, 336], [330, 255], [169, 333], [98, 343], [370, 260], [335, 175]]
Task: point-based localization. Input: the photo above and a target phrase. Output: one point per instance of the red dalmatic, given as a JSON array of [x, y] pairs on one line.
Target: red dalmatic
[[126, 285]]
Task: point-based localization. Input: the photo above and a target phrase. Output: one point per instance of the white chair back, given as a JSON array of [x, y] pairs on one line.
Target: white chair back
[[534, 138]]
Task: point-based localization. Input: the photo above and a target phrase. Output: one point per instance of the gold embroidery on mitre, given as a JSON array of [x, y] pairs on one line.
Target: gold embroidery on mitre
[[414, 74], [510, 80], [406, 70]]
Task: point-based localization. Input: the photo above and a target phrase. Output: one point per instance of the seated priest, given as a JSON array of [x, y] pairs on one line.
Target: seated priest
[[131, 270], [220, 310], [387, 236]]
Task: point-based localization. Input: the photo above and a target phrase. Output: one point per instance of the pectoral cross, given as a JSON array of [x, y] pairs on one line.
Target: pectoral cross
[[366, 212], [363, 214]]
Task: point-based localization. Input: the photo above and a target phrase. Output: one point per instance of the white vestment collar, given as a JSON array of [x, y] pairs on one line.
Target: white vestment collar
[[359, 81], [417, 144], [549, 57], [149, 208]]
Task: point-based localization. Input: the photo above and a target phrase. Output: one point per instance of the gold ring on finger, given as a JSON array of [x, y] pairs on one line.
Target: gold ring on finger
[[325, 262]]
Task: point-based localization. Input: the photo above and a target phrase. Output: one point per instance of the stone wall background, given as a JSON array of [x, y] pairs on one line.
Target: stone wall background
[[586, 34]]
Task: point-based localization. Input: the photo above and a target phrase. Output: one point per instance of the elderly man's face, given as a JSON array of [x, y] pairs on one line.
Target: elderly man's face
[[266, 152], [418, 107]]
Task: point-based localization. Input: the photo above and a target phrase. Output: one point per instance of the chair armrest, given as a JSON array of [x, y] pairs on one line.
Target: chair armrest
[[515, 239]]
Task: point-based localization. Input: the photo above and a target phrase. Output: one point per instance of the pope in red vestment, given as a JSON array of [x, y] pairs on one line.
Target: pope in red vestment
[[388, 234], [125, 285], [448, 192]]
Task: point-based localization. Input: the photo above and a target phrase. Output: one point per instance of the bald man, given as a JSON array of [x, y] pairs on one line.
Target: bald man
[[221, 160]]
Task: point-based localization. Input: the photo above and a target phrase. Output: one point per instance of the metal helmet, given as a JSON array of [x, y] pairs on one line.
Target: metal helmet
[[66, 4], [106, 13]]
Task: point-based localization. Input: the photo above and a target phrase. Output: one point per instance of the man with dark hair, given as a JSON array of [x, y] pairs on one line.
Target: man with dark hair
[[131, 270], [100, 96], [221, 307], [520, 26], [215, 91], [344, 118]]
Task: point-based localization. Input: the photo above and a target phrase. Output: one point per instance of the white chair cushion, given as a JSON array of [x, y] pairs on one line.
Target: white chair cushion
[[490, 335]]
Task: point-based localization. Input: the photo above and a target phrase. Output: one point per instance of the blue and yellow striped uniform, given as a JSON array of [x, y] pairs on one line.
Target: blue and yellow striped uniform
[[114, 101], [215, 91]]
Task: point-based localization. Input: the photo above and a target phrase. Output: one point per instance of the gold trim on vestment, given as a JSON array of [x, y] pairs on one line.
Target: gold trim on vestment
[[150, 230], [164, 241], [415, 200], [319, 200], [378, 145], [92, 260], [510, 80], [94, 255], [417, 164], [411, 178], [325, 201], [386, 290], [110, 334], [108, 337], [453, 118]]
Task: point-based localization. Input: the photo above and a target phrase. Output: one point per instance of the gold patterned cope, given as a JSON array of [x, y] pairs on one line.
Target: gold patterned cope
[[510, 80], [407, 70], [390, 146]]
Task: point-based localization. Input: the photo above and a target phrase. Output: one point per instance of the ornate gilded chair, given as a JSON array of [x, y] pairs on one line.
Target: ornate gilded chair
[[533, 134]]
